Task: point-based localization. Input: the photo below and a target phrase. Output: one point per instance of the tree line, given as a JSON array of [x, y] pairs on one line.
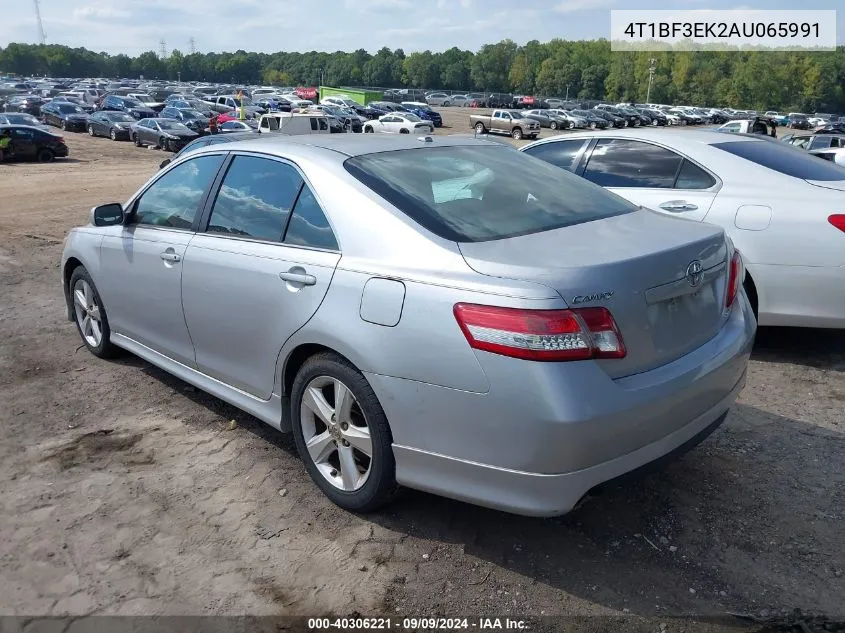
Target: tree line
[[586, 70]]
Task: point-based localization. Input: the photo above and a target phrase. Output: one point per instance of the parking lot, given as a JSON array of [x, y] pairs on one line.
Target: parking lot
[[127, 491]]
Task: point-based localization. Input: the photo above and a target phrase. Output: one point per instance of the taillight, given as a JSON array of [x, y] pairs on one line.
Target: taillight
[[543, 335], [735, 276], [838, 220]]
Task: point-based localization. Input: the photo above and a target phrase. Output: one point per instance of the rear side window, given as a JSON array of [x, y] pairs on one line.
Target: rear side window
[[559, 153], [783, 159], [314, 124], [479, 193], [692, 176], [624, 163], [308, 225]]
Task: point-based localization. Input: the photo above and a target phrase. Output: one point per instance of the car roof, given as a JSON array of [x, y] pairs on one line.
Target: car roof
[[669, 137], [349, 145]]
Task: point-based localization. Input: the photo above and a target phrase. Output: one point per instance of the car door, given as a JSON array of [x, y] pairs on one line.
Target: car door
[[501, 122], [24, 142], [257, 273], [652, 176], [142, 259]]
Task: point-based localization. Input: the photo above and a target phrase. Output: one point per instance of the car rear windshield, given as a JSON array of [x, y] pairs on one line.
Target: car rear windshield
[[481, 193], [784, 159]]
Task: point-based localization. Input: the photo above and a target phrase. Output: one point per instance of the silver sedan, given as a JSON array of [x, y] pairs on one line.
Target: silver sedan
[[445, 314]]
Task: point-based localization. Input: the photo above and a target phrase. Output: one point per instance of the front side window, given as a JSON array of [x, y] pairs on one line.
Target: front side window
[[173, 200], [324, 125], [560, 153], [479, 193], [624, 163], [255, 199]]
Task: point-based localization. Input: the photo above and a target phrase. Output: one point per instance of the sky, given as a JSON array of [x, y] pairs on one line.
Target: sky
[[135, 26]]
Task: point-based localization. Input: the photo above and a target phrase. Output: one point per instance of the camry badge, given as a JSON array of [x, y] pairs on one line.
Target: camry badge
[[597, 296]]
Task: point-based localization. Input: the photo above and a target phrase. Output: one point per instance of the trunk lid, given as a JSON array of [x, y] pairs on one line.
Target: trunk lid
[[638, 266]]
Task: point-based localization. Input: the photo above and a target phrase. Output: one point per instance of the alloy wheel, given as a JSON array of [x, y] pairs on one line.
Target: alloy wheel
[[336, 433], [87, 313]]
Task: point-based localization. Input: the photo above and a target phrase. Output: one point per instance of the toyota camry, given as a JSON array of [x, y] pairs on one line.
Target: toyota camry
[[446, 314]]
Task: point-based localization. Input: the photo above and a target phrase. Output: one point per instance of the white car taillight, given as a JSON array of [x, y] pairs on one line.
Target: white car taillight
[[838, 220], [736, 275], [541, 335]]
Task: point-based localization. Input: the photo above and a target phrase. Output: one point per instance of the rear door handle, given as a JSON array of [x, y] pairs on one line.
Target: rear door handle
[[299, 278], [170, 256], [676, 206]]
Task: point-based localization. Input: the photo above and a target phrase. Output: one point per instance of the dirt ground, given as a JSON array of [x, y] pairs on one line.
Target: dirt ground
[[125, 491]]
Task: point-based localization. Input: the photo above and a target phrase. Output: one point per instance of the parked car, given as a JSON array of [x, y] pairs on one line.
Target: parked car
[[782, 208], [656, 117], [316, 122], [424, 111], [33, 143], [230, 103], [798, 121], [26, 104], [229, 127], [595, 119], [509, 122], [115, 125], [834, 155], [21, 118], [85, 107], [148, 100], [567, 120], [399, 123], [385, 378], [66, 116], [190, 118], [461, 101], [816, 141], [205, 141], [542, 117], [166, 134], [609, 117], [133, 107], [632, 119], [439, 99]]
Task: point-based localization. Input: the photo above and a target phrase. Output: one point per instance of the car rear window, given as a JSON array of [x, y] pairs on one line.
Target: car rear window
[[784, 159], [481, 193]]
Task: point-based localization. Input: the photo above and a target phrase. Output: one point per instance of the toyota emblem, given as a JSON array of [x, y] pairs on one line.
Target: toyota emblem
[[694, 273]]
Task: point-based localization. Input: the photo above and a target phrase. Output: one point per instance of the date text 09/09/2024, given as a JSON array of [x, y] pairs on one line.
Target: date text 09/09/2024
[[722, 30], [416, 624]]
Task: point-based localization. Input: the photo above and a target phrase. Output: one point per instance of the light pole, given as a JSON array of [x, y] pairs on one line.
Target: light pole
[[567, 93], [652, 67]]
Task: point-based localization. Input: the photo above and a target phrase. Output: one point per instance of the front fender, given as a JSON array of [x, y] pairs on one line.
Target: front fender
[[82, 247]]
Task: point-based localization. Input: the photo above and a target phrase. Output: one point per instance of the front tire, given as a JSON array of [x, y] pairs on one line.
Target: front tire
[[91, 130], [163, 144], [553, 125], [63, 125], [90, 315], [113, 135], [404, 131], [516, 134], [342, 434], [137, 140]]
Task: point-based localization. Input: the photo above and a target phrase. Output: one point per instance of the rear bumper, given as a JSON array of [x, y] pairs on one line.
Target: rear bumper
[[546, 433]]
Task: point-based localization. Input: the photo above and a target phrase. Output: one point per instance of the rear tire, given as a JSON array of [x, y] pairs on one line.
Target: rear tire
[[163, 144], [479, 128], [63, 125], [379, 486], [404, 131], [571, 125], [45, 155], [368, 129]]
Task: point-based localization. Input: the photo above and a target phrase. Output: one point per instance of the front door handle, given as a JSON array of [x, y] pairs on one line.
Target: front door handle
[[298, 278], [170, 256], [677, 206]]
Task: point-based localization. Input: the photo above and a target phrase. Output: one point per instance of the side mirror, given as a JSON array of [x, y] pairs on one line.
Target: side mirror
[[107, 214], [164, 163]]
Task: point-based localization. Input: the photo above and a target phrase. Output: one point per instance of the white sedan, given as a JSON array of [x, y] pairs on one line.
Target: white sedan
[[783, 208], [399, 123]]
